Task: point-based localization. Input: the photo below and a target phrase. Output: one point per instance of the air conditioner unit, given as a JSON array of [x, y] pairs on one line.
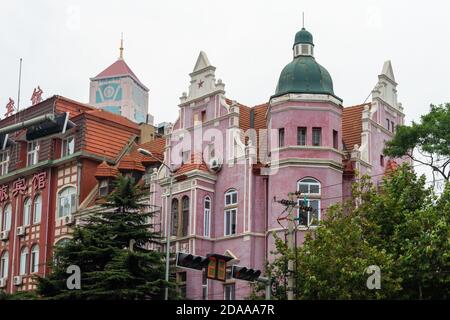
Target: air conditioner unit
[[3, 282], [69, 220], [21, 231], [17, 280], [4, 235], [215, 165]]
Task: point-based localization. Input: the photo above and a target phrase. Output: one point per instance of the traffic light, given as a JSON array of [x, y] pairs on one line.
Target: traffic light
[[217, 267], [244, 273], [190, 261]]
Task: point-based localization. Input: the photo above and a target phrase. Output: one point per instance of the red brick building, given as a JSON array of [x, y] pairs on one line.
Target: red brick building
[[55, 157]]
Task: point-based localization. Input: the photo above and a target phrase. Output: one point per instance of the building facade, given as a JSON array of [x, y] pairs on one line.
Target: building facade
[[230, 164], [50, 153]]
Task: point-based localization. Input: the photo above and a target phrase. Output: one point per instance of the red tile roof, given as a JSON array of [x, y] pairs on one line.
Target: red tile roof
[[352, 125], [106, 115], [156, 147], [105, 170], [119, 68], [197, 163], [129, 163]]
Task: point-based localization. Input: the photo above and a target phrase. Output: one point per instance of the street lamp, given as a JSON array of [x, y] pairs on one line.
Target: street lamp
[[148, 153]]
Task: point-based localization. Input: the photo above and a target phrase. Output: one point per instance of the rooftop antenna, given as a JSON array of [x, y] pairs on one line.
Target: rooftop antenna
[[121, 46]]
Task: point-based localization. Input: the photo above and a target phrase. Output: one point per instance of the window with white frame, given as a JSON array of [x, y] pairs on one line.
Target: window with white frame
[[32, 153], [229, 292], [23, 263], [207, 218], [4, 162], [68, 146], [4, 264], [26, 212], [230, 222], [34, 266], [67, 201], [230, 213], [231, 198], [37, 209], [204, 285], [7, 212], [103, 188], [310, 197]]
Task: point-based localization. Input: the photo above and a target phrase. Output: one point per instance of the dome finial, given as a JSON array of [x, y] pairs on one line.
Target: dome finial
[[121, 46], [303, 19]]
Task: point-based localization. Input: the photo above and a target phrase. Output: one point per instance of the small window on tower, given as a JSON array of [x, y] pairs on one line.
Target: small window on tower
[[335, 139], [305, 49], [281, 137], [381, 160]]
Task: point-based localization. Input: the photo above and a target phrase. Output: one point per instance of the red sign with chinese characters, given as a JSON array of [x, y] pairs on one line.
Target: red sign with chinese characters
[[19, 186], [39, 180]]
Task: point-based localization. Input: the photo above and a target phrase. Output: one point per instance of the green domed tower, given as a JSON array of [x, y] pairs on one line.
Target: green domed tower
[[303, 74]]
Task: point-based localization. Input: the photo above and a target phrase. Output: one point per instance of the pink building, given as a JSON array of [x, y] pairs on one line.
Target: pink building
[[232, 162]]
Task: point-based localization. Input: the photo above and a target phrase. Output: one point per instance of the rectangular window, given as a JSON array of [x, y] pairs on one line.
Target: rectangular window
[[309, 218], [68, 146], [229, 292], [281, 137], [230, 222], [103, 188], [382, 160], [388, 124], [203, 116], [32, 153], [392, 126], [317, 136], [301, 136], [4, 163], [204, 285], [185, 157], [181, 284], [335, 140]]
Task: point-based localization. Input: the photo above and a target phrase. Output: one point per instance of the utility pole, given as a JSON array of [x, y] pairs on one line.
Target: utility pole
[[291, 245]]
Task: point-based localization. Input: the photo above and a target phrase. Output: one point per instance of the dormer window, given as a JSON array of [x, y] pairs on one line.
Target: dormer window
[[4, 162], [103, 189], [32, 153], [68, 146]]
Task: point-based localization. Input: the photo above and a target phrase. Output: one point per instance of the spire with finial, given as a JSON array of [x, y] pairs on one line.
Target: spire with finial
[[303, 19], [121, 46]]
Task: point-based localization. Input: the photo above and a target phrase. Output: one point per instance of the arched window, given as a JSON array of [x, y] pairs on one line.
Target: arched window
[[23, 261], [7, 212], [26, 212], [230, 212], [174, 217], [37, 209], [4, 263], [34, 267], [207, 218], [231, 197], [185, 215], [67, 201], [310, 197]]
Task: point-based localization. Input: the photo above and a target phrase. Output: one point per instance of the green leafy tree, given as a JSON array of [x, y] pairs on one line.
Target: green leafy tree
[[110, 249], [427, 142], [403, 228]]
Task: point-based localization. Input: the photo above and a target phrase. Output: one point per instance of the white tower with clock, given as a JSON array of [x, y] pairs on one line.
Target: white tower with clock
[[118, 90]]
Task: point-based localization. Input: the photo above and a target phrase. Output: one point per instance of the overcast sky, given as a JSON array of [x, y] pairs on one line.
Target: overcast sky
[[64, 43]]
